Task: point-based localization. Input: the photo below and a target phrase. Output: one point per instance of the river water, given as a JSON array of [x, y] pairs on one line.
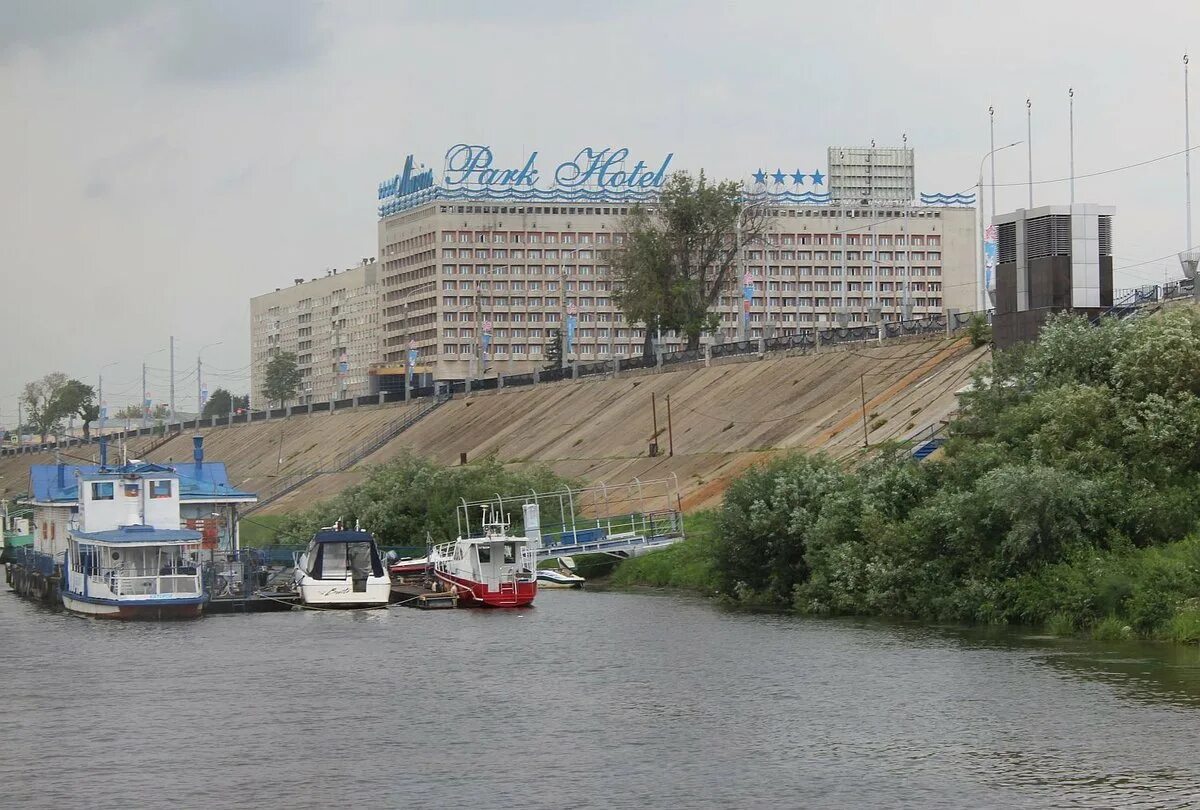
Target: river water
[[590, 699]]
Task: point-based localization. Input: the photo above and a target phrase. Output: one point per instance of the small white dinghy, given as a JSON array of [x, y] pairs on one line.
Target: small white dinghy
[[342, 569]]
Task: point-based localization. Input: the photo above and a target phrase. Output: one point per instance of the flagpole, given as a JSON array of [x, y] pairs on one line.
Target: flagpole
[[1029, 140], [992, 128], [1187, 155], [1071, 96]]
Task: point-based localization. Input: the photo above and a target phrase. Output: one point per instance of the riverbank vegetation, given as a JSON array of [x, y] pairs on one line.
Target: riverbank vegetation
[[689, 565], [411, 501], [1068, 496]]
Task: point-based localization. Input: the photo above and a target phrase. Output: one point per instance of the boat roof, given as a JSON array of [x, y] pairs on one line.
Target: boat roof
[[344, 536], [495, 538], [207, 481], [140, 534]]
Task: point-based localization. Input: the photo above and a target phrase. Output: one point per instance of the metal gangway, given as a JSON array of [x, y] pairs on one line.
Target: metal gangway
[[622, 520]]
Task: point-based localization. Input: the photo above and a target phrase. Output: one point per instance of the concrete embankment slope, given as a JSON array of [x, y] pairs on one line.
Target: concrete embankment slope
[[257, 455], [723, 418]]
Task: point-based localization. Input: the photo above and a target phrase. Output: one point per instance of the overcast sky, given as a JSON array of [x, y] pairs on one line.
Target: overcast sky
[[165, 160]]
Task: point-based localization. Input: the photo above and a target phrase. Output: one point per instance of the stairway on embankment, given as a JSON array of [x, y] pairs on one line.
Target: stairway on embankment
[[723, 418]]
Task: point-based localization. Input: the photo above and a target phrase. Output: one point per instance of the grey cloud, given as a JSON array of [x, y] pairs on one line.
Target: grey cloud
[[97, 189], [184, 40], [232, 39], [43, 24]]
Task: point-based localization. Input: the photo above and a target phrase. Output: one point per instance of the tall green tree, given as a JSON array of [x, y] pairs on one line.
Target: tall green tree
[[554, 351], [222, 403], [682, 252], [42, 404], [282, 378], [79, 398]]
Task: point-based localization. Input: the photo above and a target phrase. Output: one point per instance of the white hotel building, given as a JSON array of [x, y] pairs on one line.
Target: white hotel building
[[477, 269]]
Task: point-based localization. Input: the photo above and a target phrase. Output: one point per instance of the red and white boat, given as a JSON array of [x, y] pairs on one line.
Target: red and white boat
[[409, 566], [495, 569]]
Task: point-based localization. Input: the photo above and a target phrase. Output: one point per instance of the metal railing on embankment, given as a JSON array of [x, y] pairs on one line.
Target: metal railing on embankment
[[803, 340]]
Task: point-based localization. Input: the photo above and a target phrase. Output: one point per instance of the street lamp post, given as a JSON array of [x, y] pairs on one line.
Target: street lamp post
[[982, 296], [100, 393], [144, 397], [199, 396]]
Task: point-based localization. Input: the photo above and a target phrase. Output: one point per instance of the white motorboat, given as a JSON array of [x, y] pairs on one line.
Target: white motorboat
[[558, 578], [342, 569]]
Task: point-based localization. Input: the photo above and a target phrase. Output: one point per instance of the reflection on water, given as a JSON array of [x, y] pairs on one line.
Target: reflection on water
[[588, 700]]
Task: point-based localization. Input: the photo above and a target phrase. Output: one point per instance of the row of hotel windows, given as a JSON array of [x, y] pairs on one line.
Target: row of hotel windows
[[773, 239], [774, 255], [517, 238], [728, 302], [588, 270], [587, 286]]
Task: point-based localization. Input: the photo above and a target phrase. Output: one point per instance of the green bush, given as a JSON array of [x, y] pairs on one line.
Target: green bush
[[979, 331], [411, 500], [1070, 476]]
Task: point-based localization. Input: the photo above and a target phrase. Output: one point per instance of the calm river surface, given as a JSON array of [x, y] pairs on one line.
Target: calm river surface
[[607, 700]]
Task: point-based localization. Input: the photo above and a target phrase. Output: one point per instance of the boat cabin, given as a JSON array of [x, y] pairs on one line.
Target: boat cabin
[[334, 555], [203, 500]]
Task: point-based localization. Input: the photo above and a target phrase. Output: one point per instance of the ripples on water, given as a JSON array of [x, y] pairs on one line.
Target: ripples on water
[[607, 700]]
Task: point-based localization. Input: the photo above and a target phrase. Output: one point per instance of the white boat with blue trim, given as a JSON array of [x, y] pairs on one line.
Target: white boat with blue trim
[[342, 569], [130, 541], [126, 557]]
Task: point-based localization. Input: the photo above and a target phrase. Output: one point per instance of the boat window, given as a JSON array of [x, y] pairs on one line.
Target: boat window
[[160, 489], [102, 491], [485, 554], [510, 553], [131, 490], [333, 561]]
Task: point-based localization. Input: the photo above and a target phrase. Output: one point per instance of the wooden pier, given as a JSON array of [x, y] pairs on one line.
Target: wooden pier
[[419, 595]]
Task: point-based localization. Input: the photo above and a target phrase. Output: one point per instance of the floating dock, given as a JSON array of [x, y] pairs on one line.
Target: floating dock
[[254, 603], [419, 595]]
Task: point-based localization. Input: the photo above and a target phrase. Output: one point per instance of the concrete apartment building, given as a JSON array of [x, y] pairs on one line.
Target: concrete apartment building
[[332, 326]]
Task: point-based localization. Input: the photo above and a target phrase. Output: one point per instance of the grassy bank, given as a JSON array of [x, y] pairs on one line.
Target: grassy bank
[[687, 565], [260, 530]]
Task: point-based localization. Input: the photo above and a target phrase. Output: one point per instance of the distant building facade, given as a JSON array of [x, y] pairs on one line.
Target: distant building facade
[[477, 275], [1051, 259], [331, 324], [482, 268]]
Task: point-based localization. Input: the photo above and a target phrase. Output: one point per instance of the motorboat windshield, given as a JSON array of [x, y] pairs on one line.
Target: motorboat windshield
[[336, 554]]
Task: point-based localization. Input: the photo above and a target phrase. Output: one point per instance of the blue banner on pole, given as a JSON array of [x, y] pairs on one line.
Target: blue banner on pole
[[570, 333]]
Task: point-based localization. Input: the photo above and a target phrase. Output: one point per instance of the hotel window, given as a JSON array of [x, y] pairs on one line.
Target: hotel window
[[102, 491], [160, 489]]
